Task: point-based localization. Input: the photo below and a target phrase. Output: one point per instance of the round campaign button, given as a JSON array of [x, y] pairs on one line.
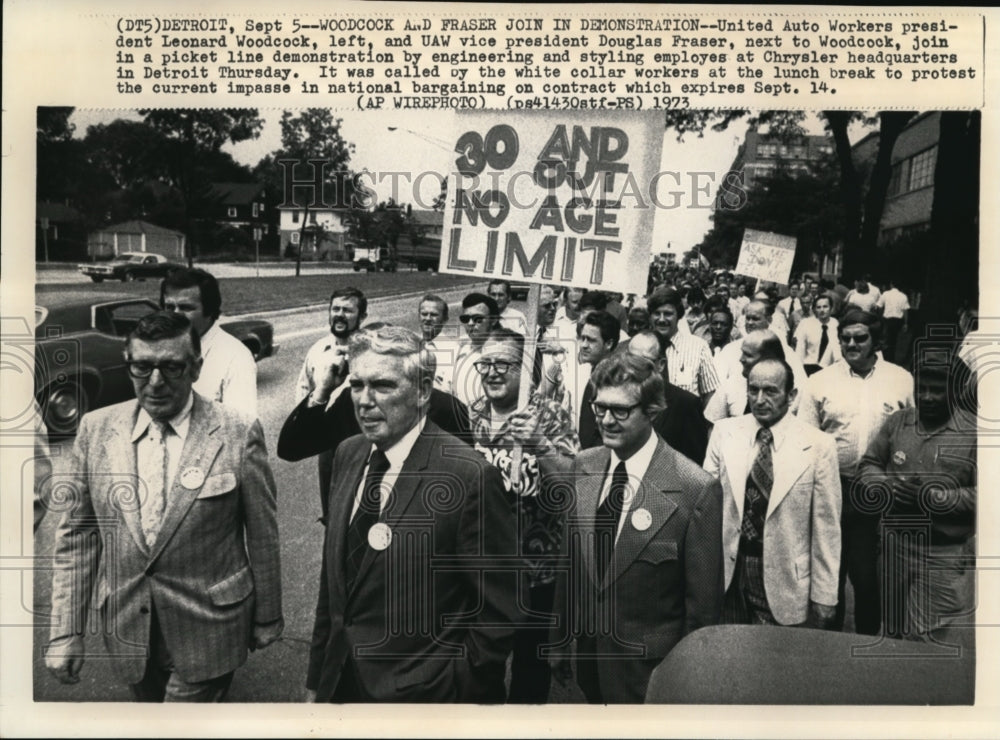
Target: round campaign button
[[379, 536], [192, 478], [642, 519], [899, 457]]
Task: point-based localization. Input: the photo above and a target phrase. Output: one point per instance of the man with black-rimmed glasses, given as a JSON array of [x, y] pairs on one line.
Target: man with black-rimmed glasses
[[544, 431]]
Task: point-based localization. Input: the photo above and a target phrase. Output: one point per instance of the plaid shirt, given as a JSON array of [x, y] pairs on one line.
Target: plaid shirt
[[540, 515]]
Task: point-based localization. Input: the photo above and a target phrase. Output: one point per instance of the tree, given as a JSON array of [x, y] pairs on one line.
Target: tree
[[862, 209], [195, 135], [313, 134]]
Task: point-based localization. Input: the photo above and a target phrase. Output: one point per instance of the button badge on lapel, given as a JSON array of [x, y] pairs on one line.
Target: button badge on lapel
[[193, 478], [379, 536], [642, 519]]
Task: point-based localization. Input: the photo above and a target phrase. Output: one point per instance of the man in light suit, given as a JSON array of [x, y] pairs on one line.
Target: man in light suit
[[173, 516], [644, 542], [417, 589], [781, 515]]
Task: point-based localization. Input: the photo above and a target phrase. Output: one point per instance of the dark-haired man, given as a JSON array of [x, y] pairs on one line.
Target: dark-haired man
[[480, 316], [781, 511], [228, 371], [643, 538], [172, 516], [851, 400], [508, 316], [689, 361]]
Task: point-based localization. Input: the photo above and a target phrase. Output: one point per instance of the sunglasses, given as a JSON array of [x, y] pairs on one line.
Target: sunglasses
[[859, 339], [475, 319], [484, 367], [620, 413], [169, 370]]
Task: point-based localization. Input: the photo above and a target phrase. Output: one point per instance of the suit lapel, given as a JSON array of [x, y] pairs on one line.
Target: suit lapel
[[119, 452], [405, 488], [342, 493], [736, 454], [789, 464], [588, 492], [201, 446], [653, 495]]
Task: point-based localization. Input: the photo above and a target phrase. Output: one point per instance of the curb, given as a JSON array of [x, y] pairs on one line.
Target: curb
[[318, 306]]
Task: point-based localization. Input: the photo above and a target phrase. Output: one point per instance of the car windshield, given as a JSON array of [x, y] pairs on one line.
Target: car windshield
[[135, 257]]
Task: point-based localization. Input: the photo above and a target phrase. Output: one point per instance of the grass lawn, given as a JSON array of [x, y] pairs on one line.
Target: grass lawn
[[243, 295]]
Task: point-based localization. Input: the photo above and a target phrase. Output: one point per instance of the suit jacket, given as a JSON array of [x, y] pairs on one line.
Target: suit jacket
[[802, 525], [429, 618], [663, 582], [682, 423], [320, 430], [213, 571]]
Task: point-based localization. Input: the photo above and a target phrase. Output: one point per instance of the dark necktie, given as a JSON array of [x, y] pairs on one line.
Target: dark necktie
[[536, 367], [758, 490], [792, 307], [589, 434], [824, 342], [606, 522], [366, 516]]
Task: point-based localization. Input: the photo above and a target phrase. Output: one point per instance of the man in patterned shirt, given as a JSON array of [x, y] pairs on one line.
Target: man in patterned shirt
[[544, 430]]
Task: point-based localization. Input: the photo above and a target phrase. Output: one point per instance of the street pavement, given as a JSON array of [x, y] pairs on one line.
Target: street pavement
[[276, 674]]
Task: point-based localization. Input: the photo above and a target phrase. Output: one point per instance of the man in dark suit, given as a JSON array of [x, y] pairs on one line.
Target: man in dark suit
[[682, 423], [417, 590], [596, 338], [173, 516], [644, 540], [317, 426]]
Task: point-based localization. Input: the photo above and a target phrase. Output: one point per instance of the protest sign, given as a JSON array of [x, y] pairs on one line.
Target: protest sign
[[554, 197], [766, 256]]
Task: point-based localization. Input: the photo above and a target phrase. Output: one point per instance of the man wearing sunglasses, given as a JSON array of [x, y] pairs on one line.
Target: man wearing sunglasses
[[644, 539], [544, 430], [172, 516], [480, 316], [851, 400]]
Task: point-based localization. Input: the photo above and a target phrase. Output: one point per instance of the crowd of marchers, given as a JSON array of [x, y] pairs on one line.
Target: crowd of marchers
[[507, 501]]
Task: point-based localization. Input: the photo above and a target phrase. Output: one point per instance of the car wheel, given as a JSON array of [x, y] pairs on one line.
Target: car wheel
[[97, 278], [357, 267], [129, 277], [254, 346], [65, 404]]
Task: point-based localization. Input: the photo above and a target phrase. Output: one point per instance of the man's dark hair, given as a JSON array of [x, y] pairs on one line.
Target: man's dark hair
[[622, 368], [504, 283], [477, 299], [664, 296], [434, 298], [593, 299], [789, 375], [695, 295], [771, 349], [719, 308], [858, 316], [608, 325], [357, 295], [509, 336], [182, 278], [164, 325]]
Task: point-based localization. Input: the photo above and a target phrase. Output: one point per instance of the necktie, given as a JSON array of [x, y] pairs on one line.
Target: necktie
[[152, 508], [758, 490], [824, 342], [793, 307], [366, 516], [536, 367], [606, 522]]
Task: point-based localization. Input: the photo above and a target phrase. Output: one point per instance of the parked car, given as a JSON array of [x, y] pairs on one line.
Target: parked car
[[129, 266], [79, 345], [519, 291]]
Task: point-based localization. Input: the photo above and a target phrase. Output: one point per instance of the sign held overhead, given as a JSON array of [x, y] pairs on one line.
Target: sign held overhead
[[766, 256], [558, 198]]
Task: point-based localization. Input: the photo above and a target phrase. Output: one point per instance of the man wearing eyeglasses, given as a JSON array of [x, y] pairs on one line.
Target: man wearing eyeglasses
[[644, 540], [172, 516], [480, 316], [544, 430], [851, 400]]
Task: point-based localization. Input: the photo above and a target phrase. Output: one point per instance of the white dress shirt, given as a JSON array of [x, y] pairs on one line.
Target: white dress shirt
[[894, 303], [228, 372], [396, 455], [173, 441], [807, 338], [636, 467]]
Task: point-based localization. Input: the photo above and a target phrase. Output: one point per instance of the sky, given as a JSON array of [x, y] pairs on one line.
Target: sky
[[422, 142]]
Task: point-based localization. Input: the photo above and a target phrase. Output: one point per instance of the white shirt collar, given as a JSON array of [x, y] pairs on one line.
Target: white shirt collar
[[397, 454], [208, 339], [638, 464], [779, 431], [178, 423]]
